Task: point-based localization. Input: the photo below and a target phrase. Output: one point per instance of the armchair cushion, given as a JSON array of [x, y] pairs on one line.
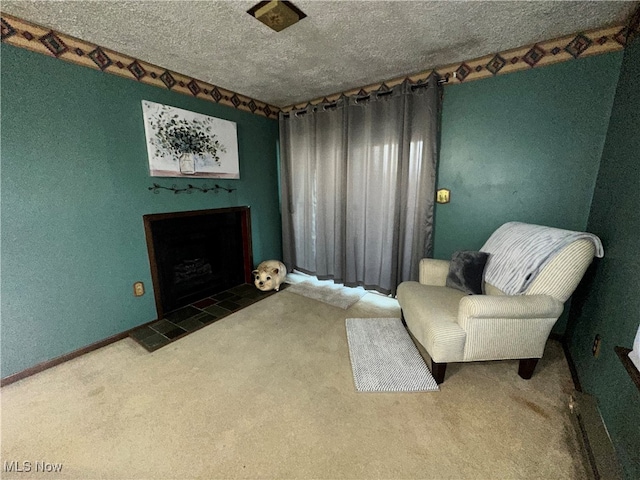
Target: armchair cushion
[[466, 271], [441, 335]]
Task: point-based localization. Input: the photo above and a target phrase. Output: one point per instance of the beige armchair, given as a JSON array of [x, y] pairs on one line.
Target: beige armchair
[[453, 326]]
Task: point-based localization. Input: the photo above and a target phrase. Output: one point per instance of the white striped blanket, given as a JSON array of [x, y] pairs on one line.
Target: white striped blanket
[[519, 251]]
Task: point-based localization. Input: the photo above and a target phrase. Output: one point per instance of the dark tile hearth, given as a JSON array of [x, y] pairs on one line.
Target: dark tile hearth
[[223, 295], [229, 305], [204, 303], [199, 314]]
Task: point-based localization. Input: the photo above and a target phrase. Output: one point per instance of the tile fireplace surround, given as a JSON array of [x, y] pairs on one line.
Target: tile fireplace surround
[[197, 315]]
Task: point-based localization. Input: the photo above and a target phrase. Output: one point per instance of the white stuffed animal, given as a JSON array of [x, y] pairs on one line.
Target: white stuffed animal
[[269, 275]]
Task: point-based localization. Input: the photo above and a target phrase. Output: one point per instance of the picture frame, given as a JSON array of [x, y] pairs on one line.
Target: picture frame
[[186, 144]]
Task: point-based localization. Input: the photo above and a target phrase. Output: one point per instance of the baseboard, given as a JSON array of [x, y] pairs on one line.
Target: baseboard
[[557, 337], [600, 454], [567, 354], [40, 367]]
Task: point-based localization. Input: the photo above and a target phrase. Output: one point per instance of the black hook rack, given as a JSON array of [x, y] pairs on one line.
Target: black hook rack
[[190, 188]]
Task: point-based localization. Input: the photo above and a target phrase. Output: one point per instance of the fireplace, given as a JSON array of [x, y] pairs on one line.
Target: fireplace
[[197, 254]]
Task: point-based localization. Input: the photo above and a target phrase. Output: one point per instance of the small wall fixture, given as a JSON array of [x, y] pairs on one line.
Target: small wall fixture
[[443, 195], [138, 289], [276, 14]]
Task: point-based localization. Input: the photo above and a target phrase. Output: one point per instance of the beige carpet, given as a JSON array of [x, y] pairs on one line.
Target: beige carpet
[[268, 393]]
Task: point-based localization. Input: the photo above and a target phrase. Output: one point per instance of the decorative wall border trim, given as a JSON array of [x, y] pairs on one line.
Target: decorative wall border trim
[[570, 47], [633, 26], [23, 34]]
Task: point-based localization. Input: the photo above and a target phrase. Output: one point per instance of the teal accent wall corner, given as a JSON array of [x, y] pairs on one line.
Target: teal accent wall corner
[[74, 189], [523, 147], [609, 302]]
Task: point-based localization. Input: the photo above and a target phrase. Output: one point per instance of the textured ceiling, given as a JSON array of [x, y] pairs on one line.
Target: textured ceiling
[[339, 46]]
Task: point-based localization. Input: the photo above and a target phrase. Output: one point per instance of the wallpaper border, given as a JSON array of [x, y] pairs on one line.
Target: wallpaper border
[[548, 52], [23, 34]]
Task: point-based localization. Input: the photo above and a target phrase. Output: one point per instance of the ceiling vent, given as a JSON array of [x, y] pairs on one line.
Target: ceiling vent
[[276, 14]]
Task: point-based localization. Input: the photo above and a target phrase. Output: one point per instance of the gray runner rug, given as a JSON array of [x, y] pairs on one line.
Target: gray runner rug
[[384, 358], [336, 295]]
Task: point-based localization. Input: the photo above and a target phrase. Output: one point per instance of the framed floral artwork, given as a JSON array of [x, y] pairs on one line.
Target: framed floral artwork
[[187, 144]]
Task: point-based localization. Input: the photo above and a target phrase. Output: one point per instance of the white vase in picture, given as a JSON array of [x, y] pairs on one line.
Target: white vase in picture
[[187, 164]]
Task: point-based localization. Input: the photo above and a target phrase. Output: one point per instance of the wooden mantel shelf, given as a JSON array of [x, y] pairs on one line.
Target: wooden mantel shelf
[[623, 353]]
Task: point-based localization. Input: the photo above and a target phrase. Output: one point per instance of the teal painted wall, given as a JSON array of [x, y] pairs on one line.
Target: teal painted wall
[[612, 298], [522, 147], [74, 188]]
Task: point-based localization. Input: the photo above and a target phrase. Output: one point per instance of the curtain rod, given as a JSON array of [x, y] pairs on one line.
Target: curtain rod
[[334, 104]]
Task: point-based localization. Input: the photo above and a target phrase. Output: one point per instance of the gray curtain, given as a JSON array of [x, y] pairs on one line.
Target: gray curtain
[[358, 185]]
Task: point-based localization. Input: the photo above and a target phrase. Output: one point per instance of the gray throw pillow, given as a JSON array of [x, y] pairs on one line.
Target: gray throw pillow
[[466, 271]]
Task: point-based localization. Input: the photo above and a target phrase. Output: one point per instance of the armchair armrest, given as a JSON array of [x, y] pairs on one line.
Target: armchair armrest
[[510, 326], [434, 272], [509, 306]]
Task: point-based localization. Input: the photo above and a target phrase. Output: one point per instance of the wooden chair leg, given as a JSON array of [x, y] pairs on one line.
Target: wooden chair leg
[[527, 366], [438, 370]]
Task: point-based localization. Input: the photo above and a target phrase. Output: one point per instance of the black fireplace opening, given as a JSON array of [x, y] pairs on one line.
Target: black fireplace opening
[[197, 254]]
